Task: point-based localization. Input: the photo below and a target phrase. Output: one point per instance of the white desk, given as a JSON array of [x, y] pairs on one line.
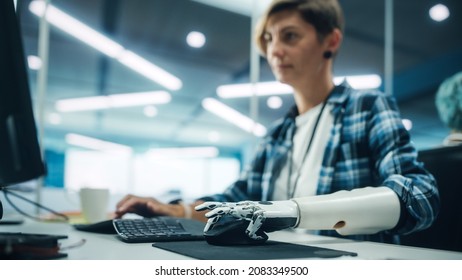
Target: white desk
[[108, 247]]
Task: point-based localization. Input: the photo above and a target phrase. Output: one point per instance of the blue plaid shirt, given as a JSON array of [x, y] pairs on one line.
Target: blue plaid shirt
[[368, 146]]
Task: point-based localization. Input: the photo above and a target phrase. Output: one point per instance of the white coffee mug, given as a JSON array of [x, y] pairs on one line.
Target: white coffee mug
[[94, 203]]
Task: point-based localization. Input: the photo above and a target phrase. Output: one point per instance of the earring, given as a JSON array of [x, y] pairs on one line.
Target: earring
[[327, 54]]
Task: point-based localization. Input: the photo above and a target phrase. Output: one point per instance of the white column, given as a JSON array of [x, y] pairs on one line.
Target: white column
[[388, 47], [42, 81]]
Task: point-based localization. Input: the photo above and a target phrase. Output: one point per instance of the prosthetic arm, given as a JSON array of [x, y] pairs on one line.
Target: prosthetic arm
[[360, 211]]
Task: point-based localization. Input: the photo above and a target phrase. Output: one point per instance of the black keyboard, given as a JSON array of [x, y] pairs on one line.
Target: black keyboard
[[158, 229]]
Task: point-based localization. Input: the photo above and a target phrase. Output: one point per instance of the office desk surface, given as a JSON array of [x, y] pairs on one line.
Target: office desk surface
[[108, 247]]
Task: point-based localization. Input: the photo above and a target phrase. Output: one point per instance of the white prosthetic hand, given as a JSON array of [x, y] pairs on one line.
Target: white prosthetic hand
[[262, 216], [360, 211]]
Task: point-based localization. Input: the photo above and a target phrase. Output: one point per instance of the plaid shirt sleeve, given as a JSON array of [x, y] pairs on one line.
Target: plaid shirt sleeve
[[370, 147], [396, 162]]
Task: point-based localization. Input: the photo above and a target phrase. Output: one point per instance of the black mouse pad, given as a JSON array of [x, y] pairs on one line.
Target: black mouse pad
[[270, 250]]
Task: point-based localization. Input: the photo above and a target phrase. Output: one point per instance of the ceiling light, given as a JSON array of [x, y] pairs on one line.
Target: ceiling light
[[76, 28], [103, 44], [277, 88], [361, 81], [183, 152], [54, 118], [82, 104], [247, 90], [149, 70], [233, 116], [112, 101], [139, 98], [244, 7], [150, 111], [439, 12], [214, 136], [274, 102], [195, 39], [407, 124], [96, 144], [34, 62]]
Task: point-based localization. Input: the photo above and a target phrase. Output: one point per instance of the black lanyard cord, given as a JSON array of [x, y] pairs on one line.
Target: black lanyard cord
[[291, 191]]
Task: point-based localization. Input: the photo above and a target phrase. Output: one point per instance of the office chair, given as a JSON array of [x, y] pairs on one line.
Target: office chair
[[445, 163]]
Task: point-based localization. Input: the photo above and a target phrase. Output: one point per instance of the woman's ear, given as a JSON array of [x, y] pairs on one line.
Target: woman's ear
[[333, 41]]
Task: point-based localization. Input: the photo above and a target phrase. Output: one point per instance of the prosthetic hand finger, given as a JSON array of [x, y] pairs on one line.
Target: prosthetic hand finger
[[209, 205], [255, 224], [211, 222], [220, 211]]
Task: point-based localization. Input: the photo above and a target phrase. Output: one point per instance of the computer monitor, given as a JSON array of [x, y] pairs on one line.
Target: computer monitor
[[20, 155]]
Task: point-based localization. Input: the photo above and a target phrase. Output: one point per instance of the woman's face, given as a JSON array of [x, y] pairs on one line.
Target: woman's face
[[293, 49]]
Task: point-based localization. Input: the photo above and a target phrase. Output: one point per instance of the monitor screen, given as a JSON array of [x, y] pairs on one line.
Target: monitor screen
[[20, 155]]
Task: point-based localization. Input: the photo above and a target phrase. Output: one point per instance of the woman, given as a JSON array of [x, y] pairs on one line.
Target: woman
[[339, 160], [448, 102]]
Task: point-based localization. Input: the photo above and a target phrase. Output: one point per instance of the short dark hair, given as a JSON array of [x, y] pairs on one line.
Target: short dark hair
[[324, 15]]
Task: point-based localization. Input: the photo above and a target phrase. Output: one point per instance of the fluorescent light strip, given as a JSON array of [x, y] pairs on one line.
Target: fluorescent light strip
[[76, 28], [149, 70], [277, 88], [184, 152], [260, 89], [103, 44], [361, 81], [229, 114], [96, 144], [113, 101]]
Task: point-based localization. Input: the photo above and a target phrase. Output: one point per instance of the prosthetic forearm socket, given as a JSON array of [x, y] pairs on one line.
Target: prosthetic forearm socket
[[359, 211]]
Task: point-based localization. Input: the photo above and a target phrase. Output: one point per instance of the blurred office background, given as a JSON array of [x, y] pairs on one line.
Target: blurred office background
[[168, 137]]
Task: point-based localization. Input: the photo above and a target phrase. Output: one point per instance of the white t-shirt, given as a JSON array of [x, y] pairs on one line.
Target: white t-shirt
[[307, 181]]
